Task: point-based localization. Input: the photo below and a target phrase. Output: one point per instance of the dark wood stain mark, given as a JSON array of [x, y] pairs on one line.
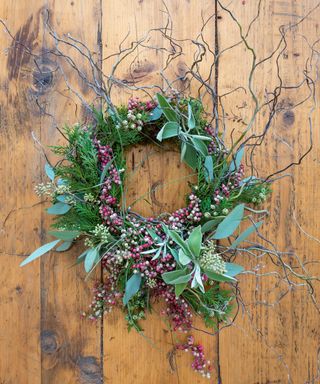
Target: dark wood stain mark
[[90, 371], [49, 344], [23, 43], [140, 72], [19, 290], [42, 78], [288, 117]]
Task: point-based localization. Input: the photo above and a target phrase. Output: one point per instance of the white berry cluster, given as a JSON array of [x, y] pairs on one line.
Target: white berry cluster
[[102, 232], [133, 121], [210, 260]]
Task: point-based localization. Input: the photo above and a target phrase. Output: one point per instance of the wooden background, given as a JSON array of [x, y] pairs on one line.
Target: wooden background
[[42, 336]]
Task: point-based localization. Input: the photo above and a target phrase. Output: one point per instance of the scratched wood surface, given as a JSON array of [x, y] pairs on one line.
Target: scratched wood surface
[[42, 336]]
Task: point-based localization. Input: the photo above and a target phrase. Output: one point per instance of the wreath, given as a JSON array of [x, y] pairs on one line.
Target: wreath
[[178, 257]]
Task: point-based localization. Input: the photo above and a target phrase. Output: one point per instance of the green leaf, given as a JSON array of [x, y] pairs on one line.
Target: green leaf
[[209, 225], [58, 209], [153, 235], [65, 235], [197, 280], [62, 198], [195, 240], [132, 287], [200, 146], [189, 155], [179, 288], [49, 171], [178, 276], [191, 120], [245, 234], [178, 240], [90, 259], [167, 109], [249, 180], [201, 137], [155, 114], [218, 277], [39, 252], [105, 170], [183, 258], [230, 223], [236, 161], [233, 269], [208, 164], [170, 129], [64, 246], [81, 258]]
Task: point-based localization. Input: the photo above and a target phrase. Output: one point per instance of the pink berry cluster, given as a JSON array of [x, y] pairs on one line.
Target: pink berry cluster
[[177, 309], [226, 188], [199, 364], [104, 300], [108, 203], [190, 214], [134, 104]]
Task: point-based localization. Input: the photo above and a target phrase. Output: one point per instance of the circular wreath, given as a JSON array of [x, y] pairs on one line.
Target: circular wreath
[[175, 257]]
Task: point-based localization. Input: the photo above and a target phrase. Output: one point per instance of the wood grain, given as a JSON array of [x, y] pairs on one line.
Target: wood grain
[[277, 343], [70, 344], [19, 288], [42, 336]]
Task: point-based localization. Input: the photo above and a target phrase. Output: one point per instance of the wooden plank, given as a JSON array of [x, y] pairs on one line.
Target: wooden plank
[[70, 344], [20, 287], [276, 343], [126, 354]]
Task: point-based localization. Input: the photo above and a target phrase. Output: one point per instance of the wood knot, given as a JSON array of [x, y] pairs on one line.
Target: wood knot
[[153, 190], [288, 117], [90, 370], [49, 342], [42, 78]]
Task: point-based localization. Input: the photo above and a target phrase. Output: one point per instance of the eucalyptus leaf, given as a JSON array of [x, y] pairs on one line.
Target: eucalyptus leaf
[[59, 209], [179, 288], [49, 171], [132, 287], [170, 129], [178, 276], [155, 114], [208, 164], [39, 252], [62, 198], [245, 234], [65, 235], [91, 257], [178, 240], [81, 257], [189, 155], [230, 223], [200, 146], [153, 234], [209, 225], [183, 258], [167, 109], [201, 137], [195, 240], [197, 280], [249, 180], [191, 120], [218, 277], [236, 161], [64, 246], [233, 269]]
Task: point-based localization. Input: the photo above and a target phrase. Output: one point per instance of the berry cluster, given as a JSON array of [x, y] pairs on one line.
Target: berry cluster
[[199, 364]]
